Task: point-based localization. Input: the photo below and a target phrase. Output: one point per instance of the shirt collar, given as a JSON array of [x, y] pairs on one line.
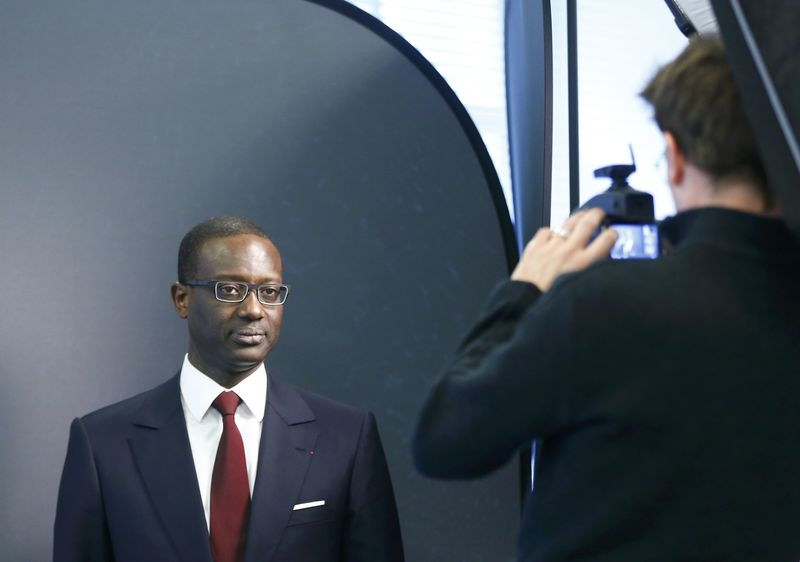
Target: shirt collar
[[199, 391]]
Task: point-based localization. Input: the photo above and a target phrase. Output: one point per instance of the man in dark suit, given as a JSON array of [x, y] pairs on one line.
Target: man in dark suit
[[222, 463], [663, 393]]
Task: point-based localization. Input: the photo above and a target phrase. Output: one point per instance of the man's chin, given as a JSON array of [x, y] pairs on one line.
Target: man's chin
[[245, 356]]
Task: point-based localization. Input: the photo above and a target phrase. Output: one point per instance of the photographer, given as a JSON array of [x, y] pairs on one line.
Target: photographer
[[663, 394]]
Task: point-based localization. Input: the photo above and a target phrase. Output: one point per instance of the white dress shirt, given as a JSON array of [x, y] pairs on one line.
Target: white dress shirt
[[204, 423]]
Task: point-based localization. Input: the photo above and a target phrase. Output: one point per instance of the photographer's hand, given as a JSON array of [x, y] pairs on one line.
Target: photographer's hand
[[552, 252]]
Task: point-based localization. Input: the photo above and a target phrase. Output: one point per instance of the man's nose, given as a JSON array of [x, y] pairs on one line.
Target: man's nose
[[250, 307]]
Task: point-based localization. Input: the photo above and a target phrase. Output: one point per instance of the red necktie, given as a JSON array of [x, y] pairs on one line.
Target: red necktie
[[230, 491]]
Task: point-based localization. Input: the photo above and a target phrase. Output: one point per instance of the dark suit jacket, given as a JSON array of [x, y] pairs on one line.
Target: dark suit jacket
[[129, 490], [663, 394]]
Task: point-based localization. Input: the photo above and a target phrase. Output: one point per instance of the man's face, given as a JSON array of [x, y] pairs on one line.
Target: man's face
[[230, 339]]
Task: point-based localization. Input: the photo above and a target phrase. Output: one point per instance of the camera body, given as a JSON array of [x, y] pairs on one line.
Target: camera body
[[628, 211]]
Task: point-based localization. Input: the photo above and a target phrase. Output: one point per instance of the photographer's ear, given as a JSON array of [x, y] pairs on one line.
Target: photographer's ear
[[676, 164]]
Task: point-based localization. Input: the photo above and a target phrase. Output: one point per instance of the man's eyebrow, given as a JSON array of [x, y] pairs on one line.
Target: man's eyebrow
[[239, 278]]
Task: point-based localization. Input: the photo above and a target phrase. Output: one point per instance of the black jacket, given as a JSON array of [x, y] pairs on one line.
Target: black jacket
[[665, 396]]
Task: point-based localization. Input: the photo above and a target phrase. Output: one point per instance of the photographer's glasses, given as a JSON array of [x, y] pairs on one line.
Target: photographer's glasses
[[268, 294]]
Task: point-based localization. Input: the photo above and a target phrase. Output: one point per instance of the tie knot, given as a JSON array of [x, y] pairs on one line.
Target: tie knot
[[226, 403]]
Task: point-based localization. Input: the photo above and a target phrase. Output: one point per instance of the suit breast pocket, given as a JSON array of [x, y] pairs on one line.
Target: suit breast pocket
[[312, 534], [314, 514]]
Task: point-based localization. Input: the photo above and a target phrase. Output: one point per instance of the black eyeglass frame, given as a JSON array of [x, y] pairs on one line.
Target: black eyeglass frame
[[282, 290]]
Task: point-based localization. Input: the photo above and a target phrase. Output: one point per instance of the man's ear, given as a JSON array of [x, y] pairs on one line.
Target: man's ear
[[676, 162], [180, 298]]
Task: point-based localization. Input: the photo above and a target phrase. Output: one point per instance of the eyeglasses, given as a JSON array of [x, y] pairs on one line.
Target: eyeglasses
[[269, 294]]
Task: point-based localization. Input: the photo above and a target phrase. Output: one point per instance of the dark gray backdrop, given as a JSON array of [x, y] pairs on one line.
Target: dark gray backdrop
[[124, 123]]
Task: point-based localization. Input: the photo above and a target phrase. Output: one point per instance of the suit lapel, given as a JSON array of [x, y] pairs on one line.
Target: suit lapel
[[163, 455], [288, 436]]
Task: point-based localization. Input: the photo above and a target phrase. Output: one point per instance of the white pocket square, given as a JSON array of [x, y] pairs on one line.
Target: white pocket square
[[308, 504]]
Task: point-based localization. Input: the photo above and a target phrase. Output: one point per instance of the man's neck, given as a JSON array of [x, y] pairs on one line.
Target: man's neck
[[699, 191], [225, 379], [737, 198]]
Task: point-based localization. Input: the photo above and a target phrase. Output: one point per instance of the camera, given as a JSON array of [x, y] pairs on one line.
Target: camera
[[628, 211]]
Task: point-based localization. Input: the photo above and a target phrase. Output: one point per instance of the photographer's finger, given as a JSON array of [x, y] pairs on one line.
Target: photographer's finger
[[542, 235], [585, 227], [600, 248], [535, 260], [573, 219]]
